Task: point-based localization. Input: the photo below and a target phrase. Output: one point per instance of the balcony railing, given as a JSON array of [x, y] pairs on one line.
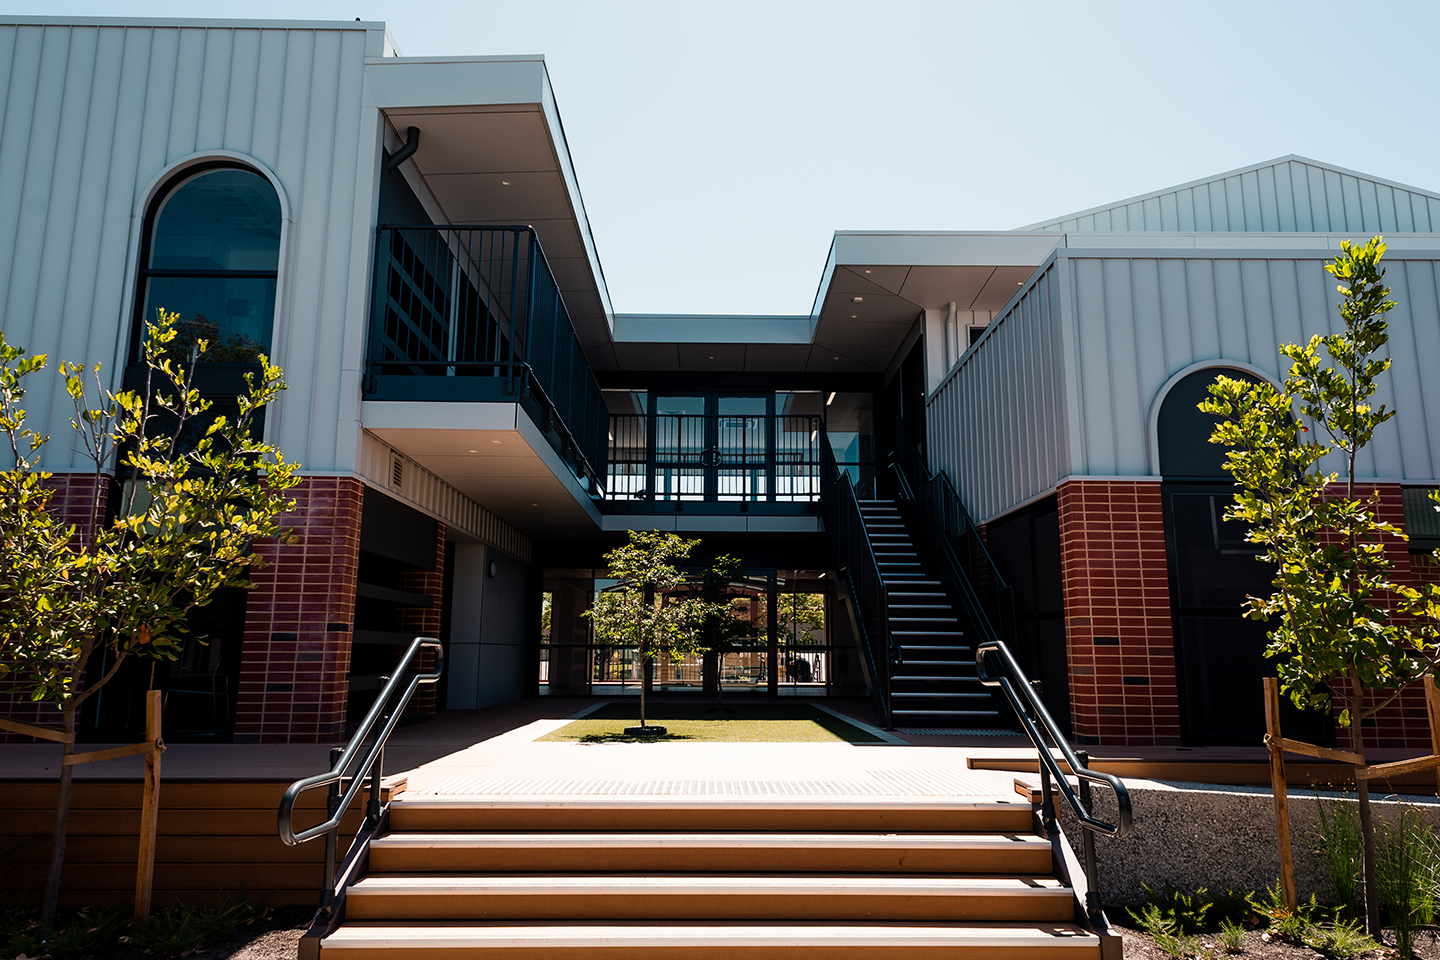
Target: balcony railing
[[474, 314], [740, 459]]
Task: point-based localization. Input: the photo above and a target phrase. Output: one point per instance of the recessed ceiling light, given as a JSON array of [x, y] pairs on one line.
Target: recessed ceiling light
[[1019, 283], [534, 504], [712, 358], [854, 316], [495, 442], [474, 451], [857, 299], [835, 358], [867, 271], [505, 183], [828, 400]]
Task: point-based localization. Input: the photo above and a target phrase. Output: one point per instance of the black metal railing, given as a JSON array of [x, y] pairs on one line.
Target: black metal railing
[[953, 542], [474, 313], [996, 667], [858, 577], [744, 458], [363, 765]]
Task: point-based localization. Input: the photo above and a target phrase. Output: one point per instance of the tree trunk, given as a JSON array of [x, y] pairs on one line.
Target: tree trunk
[[1367, 834], [51, 901], [644, 682]]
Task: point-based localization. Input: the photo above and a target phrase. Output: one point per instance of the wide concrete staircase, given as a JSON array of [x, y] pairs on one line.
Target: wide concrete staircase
[[935, 684], [706, 879]]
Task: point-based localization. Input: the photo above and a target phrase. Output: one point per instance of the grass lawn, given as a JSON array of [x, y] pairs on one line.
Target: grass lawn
[[749, 723]]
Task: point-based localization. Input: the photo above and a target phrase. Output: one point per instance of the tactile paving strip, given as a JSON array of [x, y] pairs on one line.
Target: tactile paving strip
[[878, 783]]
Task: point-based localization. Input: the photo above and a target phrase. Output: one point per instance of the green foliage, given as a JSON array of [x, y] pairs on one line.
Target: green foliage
[[650, 607], [721, 624], [1407, 859], [1231, 938], [81, 935], [1340, 940], [1165, 932], [202, 488], [1342, 625], [1184, 912], [181, 928], [1285, 923], [1341, 846]]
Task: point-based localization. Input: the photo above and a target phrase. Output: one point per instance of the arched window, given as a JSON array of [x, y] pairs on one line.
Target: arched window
[[1184, 431], [211, 252]]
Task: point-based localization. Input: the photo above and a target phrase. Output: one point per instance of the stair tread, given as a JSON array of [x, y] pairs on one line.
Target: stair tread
[[853, 841], [673, 933], [659, 884]]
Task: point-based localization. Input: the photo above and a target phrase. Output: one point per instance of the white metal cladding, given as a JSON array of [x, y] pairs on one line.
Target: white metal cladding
[[1289, 195], [95, 113], [377, 462], [998, 424], [1139, 320]]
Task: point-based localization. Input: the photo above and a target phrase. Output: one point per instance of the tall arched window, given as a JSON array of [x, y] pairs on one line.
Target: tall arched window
[[211, 252]]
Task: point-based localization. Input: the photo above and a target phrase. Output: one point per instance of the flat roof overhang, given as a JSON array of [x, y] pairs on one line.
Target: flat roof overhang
[[493, 152], [876, 283], [494, 454]]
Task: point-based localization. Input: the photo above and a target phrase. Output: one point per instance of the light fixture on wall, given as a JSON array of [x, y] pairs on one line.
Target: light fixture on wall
[[492, 570]]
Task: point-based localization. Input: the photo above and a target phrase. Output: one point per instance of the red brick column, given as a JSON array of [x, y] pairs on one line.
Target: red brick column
[[425, 621], [1118, 630], [72, 502], [296, 657]]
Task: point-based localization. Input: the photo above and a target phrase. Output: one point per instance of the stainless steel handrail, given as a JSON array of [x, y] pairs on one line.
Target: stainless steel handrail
[[1034, 718], [371, 767]]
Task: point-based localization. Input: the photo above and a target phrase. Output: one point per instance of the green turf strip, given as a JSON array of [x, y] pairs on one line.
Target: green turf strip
[[749, 723]]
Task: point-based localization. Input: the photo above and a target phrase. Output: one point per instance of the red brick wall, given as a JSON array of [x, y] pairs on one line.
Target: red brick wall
[[1117, 613], [72, 501], [298, 621], [425, 621]]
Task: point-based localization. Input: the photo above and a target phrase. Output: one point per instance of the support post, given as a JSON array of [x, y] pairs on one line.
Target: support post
[[149, 811], [1277, 783], [1432, 707]]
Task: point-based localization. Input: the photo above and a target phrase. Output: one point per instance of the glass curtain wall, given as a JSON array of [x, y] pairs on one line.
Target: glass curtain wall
[[850, 423], [785, 651]]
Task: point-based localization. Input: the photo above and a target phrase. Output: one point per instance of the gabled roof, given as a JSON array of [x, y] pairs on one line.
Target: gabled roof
[[1289, 195]]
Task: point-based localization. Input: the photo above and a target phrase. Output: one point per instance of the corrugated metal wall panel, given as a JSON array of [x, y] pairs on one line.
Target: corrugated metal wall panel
[[1140, 321], [1285, 196], [997, 424], [92, 115]]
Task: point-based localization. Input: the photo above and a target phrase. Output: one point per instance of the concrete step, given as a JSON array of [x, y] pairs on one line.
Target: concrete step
[[691, 896], [712, 941], [797, 852], [656, 814]]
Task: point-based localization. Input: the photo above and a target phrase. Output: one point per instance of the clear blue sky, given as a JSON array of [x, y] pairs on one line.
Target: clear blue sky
[[720, 145]]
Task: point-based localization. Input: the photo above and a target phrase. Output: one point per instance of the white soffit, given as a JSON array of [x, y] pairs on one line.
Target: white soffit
[[492, 152], [876, 284]]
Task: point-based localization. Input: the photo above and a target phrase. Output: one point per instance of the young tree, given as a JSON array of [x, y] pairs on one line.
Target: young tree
[[1345, 633], [722, 628], [649, 609], [201, 488]]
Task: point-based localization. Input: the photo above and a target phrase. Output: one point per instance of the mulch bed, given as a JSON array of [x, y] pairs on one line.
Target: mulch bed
[[1259, 944]]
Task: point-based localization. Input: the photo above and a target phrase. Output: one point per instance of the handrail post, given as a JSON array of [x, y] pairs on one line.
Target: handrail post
[[1087, 839], [1047, 800], [332, 803]]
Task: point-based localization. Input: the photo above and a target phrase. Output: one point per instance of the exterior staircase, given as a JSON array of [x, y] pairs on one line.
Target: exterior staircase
[[935, 683], [708, 879]]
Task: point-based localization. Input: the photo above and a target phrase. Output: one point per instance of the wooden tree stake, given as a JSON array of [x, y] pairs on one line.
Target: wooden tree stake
[[149, 812], [1277, 782], [1432, 705]]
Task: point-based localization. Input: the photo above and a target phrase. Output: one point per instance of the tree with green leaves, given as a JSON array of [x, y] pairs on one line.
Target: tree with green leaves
[[650, 608], [200, 488], [724, 625], [1345, 634]]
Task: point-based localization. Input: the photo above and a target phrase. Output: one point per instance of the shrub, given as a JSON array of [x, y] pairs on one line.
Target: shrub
[[181, 928]]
